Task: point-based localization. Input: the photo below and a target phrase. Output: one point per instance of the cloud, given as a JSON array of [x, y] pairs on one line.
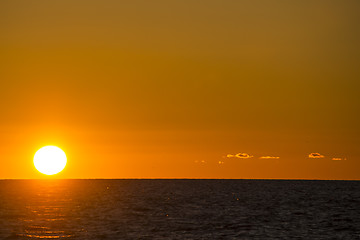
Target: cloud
[[243, 155], [239, 155], [316, 155], [200, 162], [338, 159], [268, 157]]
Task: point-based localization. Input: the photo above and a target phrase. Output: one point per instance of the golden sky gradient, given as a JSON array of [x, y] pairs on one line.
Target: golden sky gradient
[[181, 89]]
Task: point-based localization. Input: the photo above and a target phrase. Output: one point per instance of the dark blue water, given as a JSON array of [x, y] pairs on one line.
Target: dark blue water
[[179, 209]]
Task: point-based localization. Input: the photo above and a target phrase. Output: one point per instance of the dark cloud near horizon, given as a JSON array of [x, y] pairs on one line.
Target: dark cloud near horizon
[[239, 155], [316, 155]]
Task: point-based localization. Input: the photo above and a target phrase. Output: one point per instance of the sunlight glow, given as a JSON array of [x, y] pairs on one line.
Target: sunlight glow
[[50, 160]]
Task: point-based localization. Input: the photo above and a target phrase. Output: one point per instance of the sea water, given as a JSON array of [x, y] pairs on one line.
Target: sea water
[[179, 209]]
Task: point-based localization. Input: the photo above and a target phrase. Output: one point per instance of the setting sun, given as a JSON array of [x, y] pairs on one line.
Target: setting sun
[[50, 160]]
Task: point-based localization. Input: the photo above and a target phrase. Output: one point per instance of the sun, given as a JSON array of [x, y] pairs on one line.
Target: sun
[[50, 160]]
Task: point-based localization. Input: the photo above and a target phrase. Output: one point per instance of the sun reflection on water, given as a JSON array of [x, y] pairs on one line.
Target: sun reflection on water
[[47, 211]]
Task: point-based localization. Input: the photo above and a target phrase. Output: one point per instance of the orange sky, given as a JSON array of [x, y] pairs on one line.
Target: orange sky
[[177, 89]]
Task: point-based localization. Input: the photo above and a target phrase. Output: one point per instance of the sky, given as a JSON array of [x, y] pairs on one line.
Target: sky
[[181, 89]]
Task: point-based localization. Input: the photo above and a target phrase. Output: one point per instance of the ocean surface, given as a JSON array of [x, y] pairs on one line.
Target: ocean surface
[[179, 209]]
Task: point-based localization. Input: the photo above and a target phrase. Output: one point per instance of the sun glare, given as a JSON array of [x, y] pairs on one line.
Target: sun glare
[[50, 160]]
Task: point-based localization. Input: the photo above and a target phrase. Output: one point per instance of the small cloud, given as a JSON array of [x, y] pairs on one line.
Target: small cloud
[[239, 155], [200, 161], [338, 159], [221, 162], [268, 157], [243, 155], [316, 155]]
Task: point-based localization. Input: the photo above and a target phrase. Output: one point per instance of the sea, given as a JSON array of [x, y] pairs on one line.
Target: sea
[[179, 209]]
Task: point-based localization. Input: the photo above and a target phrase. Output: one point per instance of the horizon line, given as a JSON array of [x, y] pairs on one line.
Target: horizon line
[[283, 179]]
